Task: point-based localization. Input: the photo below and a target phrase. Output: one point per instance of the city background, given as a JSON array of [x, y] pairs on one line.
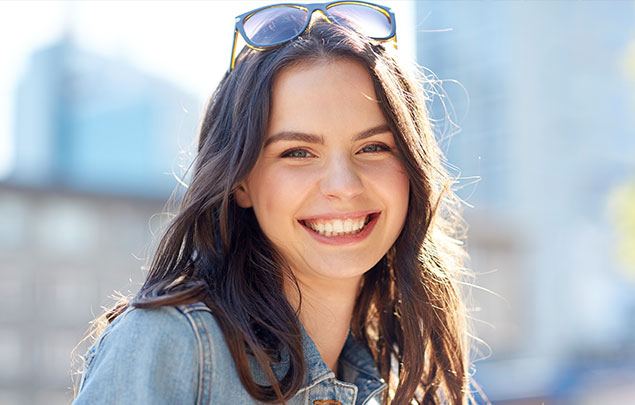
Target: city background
[[533, 102]]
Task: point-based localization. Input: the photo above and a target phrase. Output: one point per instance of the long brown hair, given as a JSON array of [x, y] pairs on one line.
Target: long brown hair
[[410, 310]]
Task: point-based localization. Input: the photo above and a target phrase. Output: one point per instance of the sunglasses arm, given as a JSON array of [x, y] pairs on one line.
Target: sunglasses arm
[[232, 61]]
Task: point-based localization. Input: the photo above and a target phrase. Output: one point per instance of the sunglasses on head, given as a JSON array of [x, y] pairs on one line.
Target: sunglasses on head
[[273, 25]]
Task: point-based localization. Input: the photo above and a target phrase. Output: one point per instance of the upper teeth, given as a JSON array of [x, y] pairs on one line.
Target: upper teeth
[[337, 225]]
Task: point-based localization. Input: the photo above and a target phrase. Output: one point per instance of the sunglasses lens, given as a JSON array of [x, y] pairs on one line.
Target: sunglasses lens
[[274, 25], [363, 19]]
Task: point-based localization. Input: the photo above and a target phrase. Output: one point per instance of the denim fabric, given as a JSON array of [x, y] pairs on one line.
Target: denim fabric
[[178, 355]]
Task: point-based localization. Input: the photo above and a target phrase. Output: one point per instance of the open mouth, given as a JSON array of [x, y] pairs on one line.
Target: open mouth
[[340, 228]]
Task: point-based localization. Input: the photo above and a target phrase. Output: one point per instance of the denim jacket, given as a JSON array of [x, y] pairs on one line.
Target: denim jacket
[[178, 355]]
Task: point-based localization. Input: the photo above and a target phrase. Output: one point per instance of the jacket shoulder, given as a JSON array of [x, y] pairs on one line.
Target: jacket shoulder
[[159, 355]]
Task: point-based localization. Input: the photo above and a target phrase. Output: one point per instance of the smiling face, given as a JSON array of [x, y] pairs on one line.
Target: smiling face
[[330, 166]]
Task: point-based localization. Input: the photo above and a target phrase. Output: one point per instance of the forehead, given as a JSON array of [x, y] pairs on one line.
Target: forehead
[[325, 96]]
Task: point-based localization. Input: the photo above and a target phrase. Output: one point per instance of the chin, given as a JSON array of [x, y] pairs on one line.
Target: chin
[[335, 270]]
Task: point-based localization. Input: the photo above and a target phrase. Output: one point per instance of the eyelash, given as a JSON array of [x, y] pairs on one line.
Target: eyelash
[[384, 148]]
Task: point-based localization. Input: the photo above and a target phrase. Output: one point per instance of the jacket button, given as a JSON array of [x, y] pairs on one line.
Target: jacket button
[[326, 402]]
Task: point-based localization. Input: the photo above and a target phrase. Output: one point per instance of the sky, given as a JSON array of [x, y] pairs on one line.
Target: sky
[[185, 42]]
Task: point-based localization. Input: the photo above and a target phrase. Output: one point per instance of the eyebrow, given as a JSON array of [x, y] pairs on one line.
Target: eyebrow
[[311, 138]]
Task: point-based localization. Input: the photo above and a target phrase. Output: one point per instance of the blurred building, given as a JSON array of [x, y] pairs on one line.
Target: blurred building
[[548, 125], [93, 123], [98, 144], [63, 253]]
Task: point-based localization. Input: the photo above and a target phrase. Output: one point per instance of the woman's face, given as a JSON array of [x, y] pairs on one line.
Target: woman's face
[[329, 166]]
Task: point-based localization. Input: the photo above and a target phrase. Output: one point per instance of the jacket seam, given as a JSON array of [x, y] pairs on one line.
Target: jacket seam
[[204, 379], [350, 386], [374, 393], [197, 306], [323, 377]]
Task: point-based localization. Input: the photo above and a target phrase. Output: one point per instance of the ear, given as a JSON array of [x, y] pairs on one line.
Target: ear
[[241, 195]]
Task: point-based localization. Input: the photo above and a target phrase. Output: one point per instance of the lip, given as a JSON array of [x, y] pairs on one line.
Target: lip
[[345, 239], [351, 215]]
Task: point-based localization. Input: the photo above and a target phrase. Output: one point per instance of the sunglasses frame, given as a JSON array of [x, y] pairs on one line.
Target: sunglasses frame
[[310, 8]]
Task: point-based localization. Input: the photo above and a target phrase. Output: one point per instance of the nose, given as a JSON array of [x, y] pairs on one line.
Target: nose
[[341, 179]]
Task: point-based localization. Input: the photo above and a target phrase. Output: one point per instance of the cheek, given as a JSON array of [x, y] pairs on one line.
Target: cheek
[[401, 189], [392, 183], [278, 192], [391, 179]]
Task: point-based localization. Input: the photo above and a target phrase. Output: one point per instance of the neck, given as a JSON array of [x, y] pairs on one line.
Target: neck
[[326, 312]]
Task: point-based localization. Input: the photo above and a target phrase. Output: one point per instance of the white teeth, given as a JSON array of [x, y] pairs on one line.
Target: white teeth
[[337, 226]]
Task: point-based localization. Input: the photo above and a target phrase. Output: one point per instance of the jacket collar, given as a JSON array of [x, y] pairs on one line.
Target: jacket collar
[[357, 367]]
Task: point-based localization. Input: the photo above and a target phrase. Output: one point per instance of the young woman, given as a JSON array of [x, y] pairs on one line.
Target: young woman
[[315, 257]]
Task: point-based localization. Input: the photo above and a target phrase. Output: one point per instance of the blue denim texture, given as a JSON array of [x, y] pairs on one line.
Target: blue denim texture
[[178, 355]]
